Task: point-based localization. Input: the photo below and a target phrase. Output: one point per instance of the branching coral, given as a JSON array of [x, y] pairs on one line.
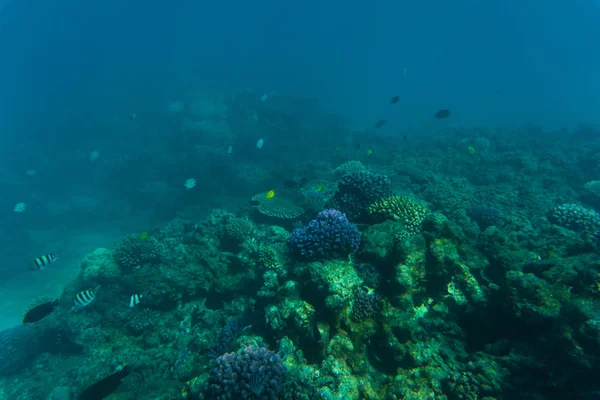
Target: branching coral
[[133, 251], [329, 235], [575, 217], [254, 373], [357, 190], [238, 229], [593, 187], [486, 216], [350, 166], [403, 209]]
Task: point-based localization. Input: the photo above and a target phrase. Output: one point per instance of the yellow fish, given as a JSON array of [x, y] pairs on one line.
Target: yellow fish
[[270, 194], [143, 235], [369, 152], [320, 188], [471, 150]]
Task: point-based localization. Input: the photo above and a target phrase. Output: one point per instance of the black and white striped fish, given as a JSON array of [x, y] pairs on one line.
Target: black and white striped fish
[[84, 298], [43, 261], [136, 299]]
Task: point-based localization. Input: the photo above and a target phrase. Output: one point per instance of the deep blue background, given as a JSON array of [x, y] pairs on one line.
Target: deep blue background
[[503, 62]]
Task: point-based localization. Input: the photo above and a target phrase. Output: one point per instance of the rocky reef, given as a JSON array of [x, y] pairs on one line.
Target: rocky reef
[[402, 283]]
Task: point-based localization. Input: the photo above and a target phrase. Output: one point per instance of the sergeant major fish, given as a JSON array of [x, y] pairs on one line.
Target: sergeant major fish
[[136, 299], [85, 298], [43, 261]]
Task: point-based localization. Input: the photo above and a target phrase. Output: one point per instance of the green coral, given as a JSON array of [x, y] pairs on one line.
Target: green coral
[[350, 166], [267, 257], [238, 228], [134, 251], [403, 209]]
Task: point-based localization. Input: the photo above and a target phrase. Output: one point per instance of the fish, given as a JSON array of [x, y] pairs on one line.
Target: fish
[[85, 298], [395, 99], [40, 311], [190, 183], [270, 194], [357, 146], [132, 117], [105, 387], [442, 114], [20, 207], [380, 123], [136, 299], [43, 261], [260, 143]]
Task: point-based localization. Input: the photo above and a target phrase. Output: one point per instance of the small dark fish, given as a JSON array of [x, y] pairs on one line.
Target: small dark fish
[[405, 136], [380, 123], [40, 311], [303, 182], [132, 117], [253, 202], [104, 388], [290, 184], [357, 146], [394, 99], [442, 114]]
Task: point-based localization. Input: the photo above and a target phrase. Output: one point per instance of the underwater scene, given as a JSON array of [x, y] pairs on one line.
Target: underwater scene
[[299, 200]]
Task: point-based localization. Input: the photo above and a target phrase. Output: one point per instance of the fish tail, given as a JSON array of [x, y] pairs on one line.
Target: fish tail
[[96, 289]]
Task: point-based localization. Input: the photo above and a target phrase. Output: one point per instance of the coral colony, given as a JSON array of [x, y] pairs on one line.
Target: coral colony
[[333, 264]]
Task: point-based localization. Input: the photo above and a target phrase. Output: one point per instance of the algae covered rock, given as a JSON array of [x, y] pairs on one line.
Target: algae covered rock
[[100, 267], [379, 242]]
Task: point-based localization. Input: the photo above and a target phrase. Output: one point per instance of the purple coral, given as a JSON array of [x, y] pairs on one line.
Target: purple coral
[[327, 236], [365, 305], [255, 373]]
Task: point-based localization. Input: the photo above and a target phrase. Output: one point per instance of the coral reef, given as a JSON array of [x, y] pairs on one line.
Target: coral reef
[[253, 373], [472, 272], [133, 251], [350, 166], [486, 216], [329, 235], [357, 190], [575, 217], [410, 212], [314, 201], [284, 206]]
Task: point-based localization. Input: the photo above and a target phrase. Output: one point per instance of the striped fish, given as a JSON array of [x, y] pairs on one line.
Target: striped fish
[[43, 261], [84, 298], [136, 299]]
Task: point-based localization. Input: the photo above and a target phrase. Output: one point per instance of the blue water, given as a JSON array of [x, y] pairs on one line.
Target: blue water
[[73, 72]]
